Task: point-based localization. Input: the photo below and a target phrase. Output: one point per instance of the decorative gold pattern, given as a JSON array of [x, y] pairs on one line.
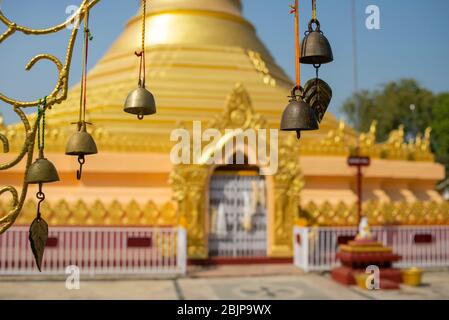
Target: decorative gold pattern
[[189, 189], [338, 143], [99, 213], [58, 95], [261, 67], [378, 213], [288, 183]]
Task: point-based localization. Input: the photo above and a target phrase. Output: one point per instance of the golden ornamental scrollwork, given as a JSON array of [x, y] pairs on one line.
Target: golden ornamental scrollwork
[[339, 143], [288, 183], [378, 213], [261, 67], [58, 95], [189, 189], [367, 142], [238, 113], [98, 213], [336, 141]]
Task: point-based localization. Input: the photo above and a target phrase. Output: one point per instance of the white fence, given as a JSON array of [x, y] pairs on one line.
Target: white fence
[[315, 248], [97, 251]]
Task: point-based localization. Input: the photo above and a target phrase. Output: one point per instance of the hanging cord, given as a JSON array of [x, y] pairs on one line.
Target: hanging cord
[[141, 54], [315, 20], [314, 10], [83, 97], [41, 124], [41, 145], [295, 10]]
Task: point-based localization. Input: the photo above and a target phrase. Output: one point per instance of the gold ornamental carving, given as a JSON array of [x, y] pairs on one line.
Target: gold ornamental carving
[[288, 183], [189, 182], [189, 188]]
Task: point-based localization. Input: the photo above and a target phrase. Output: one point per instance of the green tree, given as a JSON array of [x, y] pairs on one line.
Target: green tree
[[440, 126], [402, 102]]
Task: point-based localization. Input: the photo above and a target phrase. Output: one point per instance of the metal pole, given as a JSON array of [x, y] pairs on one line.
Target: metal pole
[[359, 192]]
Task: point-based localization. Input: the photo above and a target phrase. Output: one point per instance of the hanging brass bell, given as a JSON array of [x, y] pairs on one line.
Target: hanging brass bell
[[140, 102], [315, 48], [41, 171], [298, 116], [81, 143]]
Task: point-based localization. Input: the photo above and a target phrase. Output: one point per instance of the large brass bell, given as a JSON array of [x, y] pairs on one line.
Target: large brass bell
[[140, 102], [81, 144], [315, 48], [298, 115], [41, 171]]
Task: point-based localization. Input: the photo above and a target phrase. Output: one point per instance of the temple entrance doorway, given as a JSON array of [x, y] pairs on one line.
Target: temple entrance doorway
[[237, 213]]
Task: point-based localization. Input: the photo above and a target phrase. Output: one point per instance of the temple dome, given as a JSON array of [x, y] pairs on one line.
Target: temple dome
[[197, 50]]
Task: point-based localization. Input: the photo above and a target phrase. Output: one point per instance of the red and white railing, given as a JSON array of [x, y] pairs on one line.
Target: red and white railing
[[315, 248], [97, 251]]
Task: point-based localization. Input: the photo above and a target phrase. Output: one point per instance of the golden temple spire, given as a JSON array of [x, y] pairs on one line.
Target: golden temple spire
[[196, 51]]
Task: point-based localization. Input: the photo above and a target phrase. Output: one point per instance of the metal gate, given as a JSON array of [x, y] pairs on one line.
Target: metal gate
[[238, 219]]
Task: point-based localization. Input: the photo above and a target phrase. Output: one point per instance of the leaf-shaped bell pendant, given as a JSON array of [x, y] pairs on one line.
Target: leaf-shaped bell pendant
[[41, 171], [140, 102], [315, 48], [298, 115], [81, 144]]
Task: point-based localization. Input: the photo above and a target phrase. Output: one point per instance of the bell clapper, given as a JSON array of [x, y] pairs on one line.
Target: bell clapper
[[81, 161], [41, 197]]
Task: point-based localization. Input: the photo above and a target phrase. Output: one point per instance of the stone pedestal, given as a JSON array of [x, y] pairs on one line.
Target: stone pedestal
[[357, 255]]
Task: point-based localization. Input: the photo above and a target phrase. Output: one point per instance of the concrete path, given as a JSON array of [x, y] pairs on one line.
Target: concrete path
[[267, 282]]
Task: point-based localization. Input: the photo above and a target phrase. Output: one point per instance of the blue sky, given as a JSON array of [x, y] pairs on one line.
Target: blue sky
[[413, 42]]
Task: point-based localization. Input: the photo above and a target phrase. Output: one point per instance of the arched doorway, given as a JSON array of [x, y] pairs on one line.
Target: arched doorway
[[237, 212], [191, 185]]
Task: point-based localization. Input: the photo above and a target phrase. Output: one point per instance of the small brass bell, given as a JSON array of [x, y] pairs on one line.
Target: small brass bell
[[41, 171], [81, 144], [298, 116], [315, 48], [140, 102]]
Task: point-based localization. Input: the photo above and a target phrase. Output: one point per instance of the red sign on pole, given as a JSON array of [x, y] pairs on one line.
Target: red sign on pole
[[359, 161]]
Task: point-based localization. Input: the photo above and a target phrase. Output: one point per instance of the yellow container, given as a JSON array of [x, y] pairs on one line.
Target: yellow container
[[412, 277], [360, 279]]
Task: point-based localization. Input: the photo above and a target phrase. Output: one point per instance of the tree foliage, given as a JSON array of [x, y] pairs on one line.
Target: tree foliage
[[402, 102], [440, 126]]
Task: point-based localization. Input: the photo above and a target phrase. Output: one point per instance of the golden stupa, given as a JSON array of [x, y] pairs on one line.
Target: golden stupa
[[205, 63]]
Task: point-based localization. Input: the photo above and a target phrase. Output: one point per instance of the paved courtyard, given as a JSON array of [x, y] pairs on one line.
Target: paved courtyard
[[226, 282]]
